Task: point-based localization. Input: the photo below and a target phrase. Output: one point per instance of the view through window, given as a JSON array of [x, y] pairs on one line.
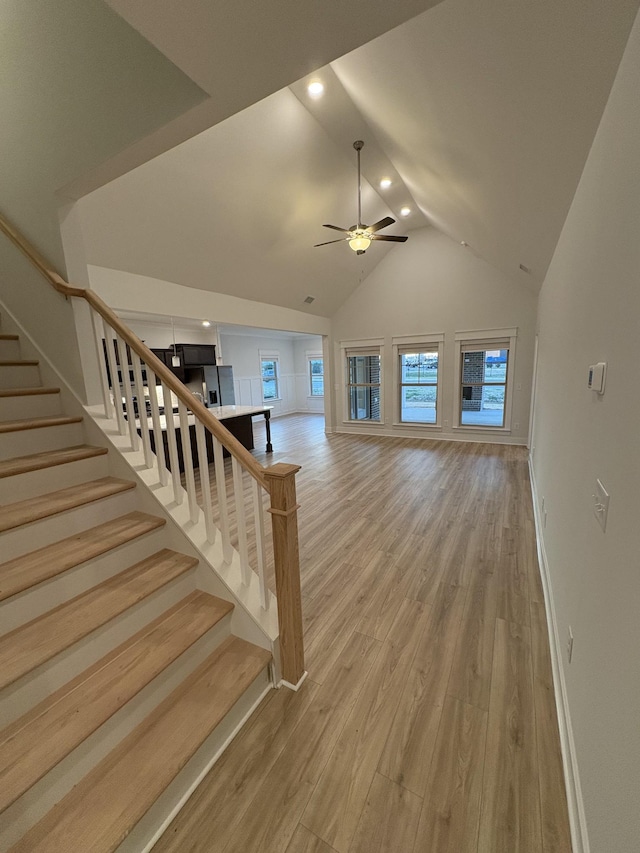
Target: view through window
[[419, 386], [484, 383], [363, 385]]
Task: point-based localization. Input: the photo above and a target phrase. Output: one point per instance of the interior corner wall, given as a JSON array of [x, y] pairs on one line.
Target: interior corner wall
[[431, 284], [242, 352], [590, 312], [44, 314]]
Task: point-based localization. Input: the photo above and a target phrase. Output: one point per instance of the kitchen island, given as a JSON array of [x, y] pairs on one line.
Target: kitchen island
[[237, 419]]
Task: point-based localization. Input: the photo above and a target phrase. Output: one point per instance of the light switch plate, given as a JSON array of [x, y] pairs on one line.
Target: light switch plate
[[601, 504]]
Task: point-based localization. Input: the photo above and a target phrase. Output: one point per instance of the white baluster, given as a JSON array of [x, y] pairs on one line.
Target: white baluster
[[102, 366], [142, 409], [109, 338], [128, 393], [173, 445], [205, 483], [190, 480], [241, 521], [258, 513], [163, 475], [221, 488]]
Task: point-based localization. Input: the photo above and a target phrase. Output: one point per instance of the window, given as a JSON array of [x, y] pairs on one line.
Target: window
[[363, 385], [485, 381], [270, 373], [316, 376], [418, 384]]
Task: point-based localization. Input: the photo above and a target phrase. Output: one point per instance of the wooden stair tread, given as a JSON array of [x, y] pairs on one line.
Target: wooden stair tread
[[30, 569], [43, 506], [35, 743], [99, 812], [48, 459], [19, 362], [38, 423], [29, 646], [27, 392]]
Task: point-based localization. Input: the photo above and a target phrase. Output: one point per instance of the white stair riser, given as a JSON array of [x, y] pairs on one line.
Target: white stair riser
[[31, 603], [21, 540], [19, 376], [26, 441], [9, 350], [16, 699], [29, 406], [172, 798], [51, 788], [20, 487]]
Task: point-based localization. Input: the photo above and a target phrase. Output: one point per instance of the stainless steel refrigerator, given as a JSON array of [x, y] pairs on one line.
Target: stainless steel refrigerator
[[219, 390]]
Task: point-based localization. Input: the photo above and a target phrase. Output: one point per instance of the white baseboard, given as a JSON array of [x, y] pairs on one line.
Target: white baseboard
[[577, 818]]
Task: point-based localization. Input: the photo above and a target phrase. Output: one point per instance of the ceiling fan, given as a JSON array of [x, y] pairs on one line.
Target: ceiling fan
[[360, 236]]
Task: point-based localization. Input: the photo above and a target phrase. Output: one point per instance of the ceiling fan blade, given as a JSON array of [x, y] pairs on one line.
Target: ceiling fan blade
[[335, 228], [344, 239], [378, 225], [389, 237]]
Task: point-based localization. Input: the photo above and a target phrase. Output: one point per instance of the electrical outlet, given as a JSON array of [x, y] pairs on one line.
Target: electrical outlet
[[446, 423], [516, 426], [569, 644]]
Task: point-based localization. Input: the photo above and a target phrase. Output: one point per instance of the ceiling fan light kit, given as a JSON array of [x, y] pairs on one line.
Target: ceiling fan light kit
[[359, 237]]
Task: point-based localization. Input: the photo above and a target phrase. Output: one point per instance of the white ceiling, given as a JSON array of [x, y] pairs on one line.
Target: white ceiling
[[482, 112]]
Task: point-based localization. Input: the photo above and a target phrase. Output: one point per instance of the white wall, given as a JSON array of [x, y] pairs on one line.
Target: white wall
[[125, 291], [590, 312], [431, 284], [243, 351], [302, 349]]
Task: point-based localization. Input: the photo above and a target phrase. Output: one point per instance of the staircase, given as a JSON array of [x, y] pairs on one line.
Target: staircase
[[120, 681]]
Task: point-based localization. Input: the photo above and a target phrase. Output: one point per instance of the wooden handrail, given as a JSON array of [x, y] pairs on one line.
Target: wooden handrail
[[37, 260], [152, 361], [182, 393]]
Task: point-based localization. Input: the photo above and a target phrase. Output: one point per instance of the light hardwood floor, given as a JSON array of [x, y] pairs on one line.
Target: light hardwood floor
[[427, 722]]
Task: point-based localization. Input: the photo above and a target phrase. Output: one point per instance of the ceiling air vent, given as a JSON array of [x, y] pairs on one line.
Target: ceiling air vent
[[525, 269], [309, 299]]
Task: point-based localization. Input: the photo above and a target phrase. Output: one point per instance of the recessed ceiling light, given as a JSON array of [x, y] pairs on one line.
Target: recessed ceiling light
[[385, 183], [315, 88], [405, 211], [206, 323]]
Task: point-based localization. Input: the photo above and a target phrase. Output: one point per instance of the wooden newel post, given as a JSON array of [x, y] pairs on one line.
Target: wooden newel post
[[284, 519]]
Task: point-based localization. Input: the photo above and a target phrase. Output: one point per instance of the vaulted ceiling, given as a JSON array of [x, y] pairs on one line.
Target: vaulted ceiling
[[482, 113]]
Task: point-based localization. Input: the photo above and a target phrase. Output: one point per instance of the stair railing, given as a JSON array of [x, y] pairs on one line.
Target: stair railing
[[126, 351]]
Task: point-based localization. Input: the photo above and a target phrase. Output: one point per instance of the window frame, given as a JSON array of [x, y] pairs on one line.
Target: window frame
[[373, 346], [482, 340], [311, 357], [433, 341], [275, 358]]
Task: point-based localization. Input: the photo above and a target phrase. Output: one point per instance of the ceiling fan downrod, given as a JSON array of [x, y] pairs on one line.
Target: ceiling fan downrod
[[358, 145]]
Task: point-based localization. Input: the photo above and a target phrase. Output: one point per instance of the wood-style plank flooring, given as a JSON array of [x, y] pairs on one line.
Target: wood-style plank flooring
[[427, 722]]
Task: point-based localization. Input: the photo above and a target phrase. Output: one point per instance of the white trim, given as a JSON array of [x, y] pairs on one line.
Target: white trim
[[359, 343], [396, 431], [436, 341], [485, 337], [294, 687], [481, 334], [421, 338], [575, 802], [374, 346], [314, 355]]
